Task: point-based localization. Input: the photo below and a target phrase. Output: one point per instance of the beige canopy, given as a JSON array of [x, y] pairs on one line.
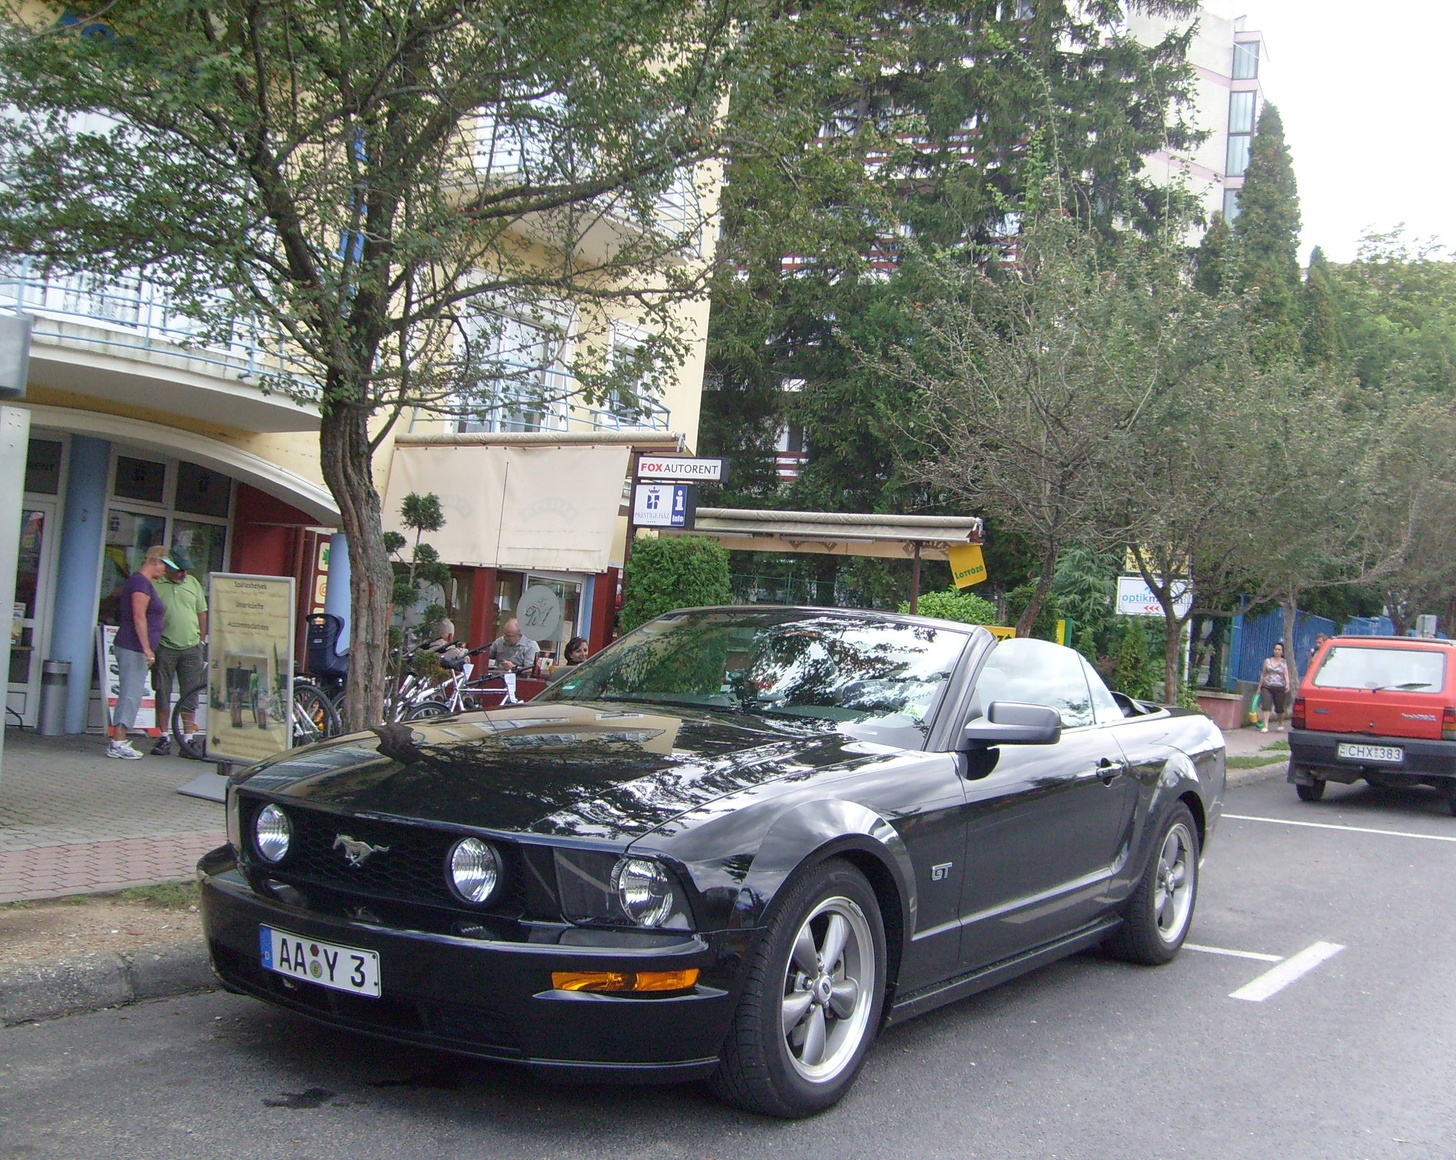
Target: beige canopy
[[834, 533], [514, 502]]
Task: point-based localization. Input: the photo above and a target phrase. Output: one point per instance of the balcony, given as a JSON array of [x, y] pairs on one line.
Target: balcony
[[547, 400], [122, 341]]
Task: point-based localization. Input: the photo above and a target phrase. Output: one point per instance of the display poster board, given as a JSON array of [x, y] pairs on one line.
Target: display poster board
[[146, 717], [249, 666]]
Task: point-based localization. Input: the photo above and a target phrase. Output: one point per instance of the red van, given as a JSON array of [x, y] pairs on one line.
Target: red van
[[1382, 708]]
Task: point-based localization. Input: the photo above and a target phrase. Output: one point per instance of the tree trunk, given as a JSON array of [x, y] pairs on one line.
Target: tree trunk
[[1290, 605], [1172, 639], [1039, 595], [347, 462]]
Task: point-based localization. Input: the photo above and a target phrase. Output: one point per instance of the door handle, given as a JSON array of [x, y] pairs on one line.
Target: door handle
[[1107, 770]]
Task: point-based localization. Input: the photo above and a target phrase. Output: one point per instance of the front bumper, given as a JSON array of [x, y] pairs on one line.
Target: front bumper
[[1314, 753], [485, 998]]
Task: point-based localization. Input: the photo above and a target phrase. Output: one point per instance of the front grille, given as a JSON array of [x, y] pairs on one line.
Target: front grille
[[410, 866]]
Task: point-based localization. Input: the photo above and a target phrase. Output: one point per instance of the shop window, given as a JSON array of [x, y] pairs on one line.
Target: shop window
[[201, 545], [43, 467], [201, 491], [128, 536], [140, 479]]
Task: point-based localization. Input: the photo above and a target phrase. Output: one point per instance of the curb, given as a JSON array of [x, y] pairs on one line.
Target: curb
[[71, 986], [1237, 777]]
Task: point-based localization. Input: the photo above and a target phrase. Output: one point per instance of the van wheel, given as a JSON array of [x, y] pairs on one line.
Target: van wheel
[[1311, 792], [1451, 800]]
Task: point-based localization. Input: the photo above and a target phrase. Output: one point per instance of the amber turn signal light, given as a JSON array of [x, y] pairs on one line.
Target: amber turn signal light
[[624, 980]]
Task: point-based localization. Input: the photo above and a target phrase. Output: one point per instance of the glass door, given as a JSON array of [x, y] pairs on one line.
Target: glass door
[[31, 613]]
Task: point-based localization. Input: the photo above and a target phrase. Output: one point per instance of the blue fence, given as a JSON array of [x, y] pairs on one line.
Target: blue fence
[[1254, 639]]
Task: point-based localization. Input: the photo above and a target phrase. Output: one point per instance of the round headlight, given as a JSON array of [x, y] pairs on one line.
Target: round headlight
[[644, 890], [475, 869], [271, 834]]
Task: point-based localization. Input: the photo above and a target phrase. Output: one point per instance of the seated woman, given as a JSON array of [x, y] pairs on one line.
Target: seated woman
[[574, 652]]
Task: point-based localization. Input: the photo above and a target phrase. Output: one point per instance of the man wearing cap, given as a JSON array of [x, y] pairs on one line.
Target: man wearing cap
[[180, 654]]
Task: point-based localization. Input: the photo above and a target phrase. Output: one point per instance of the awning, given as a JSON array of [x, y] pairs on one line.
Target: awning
[[834, 533], [515, 504]]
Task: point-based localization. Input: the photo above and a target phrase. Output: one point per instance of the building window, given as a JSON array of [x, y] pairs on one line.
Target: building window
[[201, 491], [529, 389], [141, 479], [43, 467], [1246, 60], [1238, 154], [1241, 112], [1230, 205]]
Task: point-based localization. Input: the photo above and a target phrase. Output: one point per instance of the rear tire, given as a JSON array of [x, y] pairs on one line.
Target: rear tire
[[1160, 911], [811, 1002], [1311, 792], [427, 709]]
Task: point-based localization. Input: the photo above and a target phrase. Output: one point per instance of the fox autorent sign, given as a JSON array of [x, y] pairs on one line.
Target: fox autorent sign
[[666, 467]]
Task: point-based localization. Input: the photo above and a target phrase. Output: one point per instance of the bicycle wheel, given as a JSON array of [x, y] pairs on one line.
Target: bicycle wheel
[[193, 745], [314, 715], [427, 709]]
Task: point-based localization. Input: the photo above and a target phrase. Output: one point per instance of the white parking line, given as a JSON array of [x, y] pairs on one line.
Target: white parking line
[[1275, 979], [1351, 829], [1234, 954]]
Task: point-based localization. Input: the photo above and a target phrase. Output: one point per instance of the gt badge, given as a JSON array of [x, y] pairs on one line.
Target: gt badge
[[357, 852], [939, 873]]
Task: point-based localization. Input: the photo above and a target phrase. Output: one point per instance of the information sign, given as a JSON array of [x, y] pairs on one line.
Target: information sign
[[1135, 598], [249, 666], [663, 467], [664, 505]]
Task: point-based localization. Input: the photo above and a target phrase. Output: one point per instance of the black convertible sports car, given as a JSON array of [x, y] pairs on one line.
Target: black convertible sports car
[[734, 845]]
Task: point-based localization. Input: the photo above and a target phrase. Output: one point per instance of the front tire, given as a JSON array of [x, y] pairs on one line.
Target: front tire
[[812, 999], [1160, 911]]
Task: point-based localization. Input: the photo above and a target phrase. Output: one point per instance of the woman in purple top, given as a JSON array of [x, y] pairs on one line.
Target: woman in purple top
[[137, 637]]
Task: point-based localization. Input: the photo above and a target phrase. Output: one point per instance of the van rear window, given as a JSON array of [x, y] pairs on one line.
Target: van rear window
[[1414, 670]]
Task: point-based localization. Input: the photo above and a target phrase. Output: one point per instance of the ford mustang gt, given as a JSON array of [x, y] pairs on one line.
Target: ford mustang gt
[[733, 845]]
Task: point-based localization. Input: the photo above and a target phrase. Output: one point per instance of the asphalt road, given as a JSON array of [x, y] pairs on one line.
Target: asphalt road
[[1087, 1059]]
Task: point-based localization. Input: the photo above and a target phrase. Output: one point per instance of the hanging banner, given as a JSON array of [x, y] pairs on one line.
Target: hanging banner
[[146, 717], [249, 666], [966, 565]]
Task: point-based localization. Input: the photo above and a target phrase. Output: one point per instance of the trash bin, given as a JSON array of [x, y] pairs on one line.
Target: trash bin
[[55, 676]]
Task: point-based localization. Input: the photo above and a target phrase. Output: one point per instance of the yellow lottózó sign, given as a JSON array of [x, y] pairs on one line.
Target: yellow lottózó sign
[[966, 565]]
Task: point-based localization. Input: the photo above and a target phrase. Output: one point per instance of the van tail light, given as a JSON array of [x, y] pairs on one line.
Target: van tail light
[[1448, 723], [1296, 719]]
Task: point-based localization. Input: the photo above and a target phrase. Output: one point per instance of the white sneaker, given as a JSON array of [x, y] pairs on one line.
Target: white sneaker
[[123, 750]]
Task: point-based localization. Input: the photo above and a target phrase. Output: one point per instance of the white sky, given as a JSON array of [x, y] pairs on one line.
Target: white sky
[[1368, 95]]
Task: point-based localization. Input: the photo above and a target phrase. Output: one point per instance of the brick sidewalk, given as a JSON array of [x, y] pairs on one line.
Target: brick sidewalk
[[87, 867], [72, 821]]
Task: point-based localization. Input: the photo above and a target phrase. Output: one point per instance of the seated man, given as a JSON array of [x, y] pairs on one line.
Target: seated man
[[451, 655], [511, 652]]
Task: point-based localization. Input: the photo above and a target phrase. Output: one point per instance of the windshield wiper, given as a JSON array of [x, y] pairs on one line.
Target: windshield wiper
[[1407, 687]]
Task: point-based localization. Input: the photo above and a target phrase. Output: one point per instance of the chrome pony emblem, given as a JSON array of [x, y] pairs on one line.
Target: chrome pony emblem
[[356, 851]]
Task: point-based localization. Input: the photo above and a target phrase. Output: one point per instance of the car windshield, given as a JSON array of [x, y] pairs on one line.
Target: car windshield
[[1416, 670], [811, 665]]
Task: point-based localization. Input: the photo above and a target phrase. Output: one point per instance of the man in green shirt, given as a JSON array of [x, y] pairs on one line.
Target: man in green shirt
[[180, 655]]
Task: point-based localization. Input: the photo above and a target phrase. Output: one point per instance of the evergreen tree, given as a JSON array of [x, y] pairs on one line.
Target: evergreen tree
[[1211, 261], [1267, 232], [1324, 338]]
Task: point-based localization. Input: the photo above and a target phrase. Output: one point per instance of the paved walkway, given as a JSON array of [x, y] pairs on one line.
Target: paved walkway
[[73, 821]]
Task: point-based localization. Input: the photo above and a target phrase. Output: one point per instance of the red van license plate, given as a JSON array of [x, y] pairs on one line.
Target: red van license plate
[[1350, 752]]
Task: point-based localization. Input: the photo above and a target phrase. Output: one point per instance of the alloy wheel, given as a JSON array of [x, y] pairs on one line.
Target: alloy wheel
[[827, 989], [1173, 889]]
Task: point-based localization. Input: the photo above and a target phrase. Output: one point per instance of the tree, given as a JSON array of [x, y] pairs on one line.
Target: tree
[[1031, 382], [377, 183], [1267, 232], [673, 572], [940, 120], [1213, 258], [1324, 336]]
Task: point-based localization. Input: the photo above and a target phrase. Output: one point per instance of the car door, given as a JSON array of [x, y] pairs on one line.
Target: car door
[[1044, 822]]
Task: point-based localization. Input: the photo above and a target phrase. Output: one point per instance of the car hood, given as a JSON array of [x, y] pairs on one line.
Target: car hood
[[580, 770]]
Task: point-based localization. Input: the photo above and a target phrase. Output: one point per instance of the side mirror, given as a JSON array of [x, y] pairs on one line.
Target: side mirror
[[1013, 723]]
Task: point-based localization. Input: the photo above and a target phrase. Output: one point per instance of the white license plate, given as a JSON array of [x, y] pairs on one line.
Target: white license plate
[[1352, 752], [349, 969]]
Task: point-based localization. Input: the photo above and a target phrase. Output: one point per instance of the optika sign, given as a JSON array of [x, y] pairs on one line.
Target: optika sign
[[674, 467]]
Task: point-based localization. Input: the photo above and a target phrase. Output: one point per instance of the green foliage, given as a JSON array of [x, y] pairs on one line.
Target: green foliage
[[1084, 587], [673, 572], [1213, 257], [1324, 336], [954, 604], [393, 542], [1267, 232], [1045, 624], [1134, 665], [422, 513]]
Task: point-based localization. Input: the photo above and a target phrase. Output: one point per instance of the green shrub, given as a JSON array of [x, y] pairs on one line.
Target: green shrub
[[1134, 666], [1044, 627], [673, 572], [953, 604]]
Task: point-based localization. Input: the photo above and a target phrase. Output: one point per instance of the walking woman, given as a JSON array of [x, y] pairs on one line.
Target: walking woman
[[140, 632], [1274, 681]]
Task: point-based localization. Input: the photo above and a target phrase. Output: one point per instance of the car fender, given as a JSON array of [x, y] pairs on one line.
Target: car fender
[[811, 832]]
